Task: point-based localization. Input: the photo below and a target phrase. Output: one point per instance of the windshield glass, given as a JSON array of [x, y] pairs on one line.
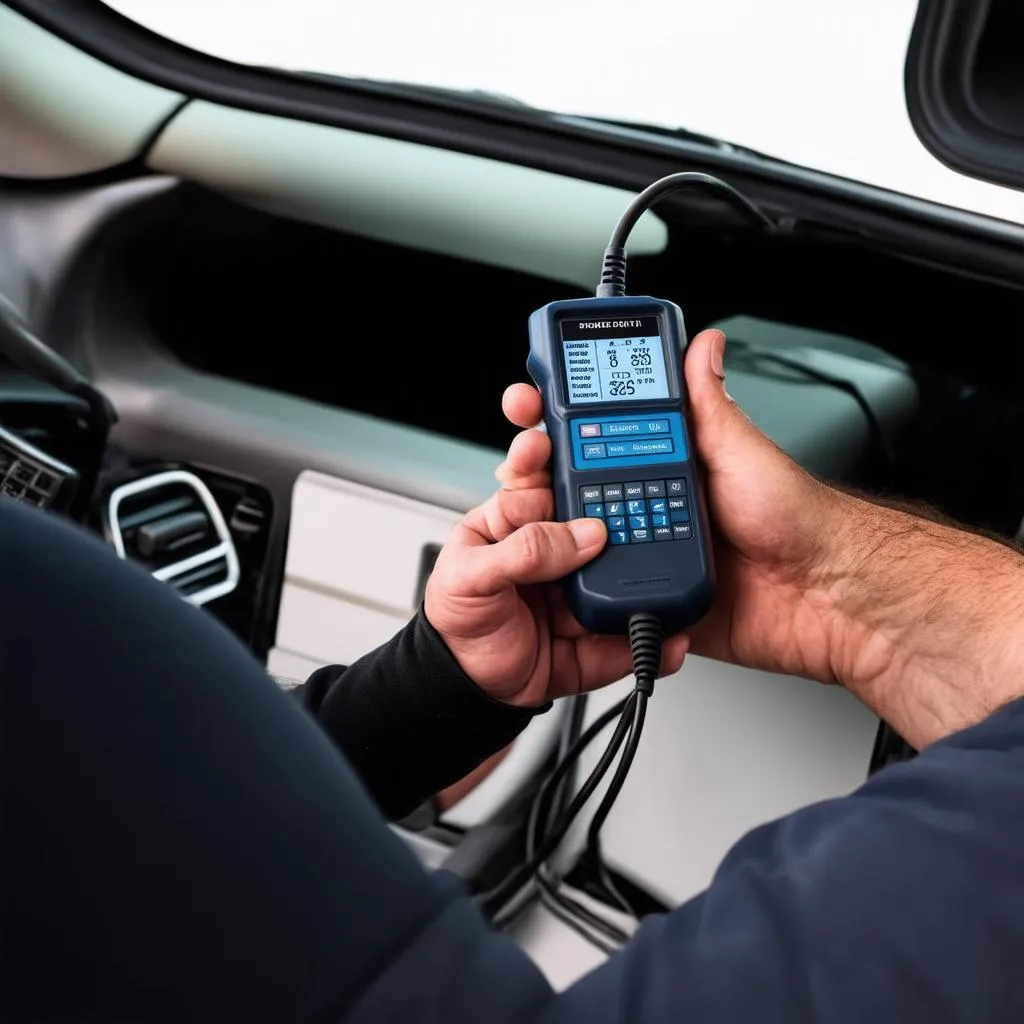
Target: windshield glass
[[814, 82]]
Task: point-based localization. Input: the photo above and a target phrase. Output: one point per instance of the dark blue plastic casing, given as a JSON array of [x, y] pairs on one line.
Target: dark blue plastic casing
[[671, 578]]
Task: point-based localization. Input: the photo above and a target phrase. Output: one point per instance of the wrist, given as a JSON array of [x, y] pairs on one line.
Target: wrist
[[928, 619]]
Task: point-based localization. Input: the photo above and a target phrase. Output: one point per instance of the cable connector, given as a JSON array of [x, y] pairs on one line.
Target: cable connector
[[613, 267], [645, 646], [613, 273]]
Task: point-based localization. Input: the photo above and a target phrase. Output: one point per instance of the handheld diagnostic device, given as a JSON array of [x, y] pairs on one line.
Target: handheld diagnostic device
[[610, 372]]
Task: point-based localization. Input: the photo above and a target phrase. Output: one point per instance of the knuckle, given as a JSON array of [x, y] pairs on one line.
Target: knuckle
[[534, 546], [460, 580], [497, 511]]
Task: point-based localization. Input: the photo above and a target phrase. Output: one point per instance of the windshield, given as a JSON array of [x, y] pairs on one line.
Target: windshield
[[815, 82]]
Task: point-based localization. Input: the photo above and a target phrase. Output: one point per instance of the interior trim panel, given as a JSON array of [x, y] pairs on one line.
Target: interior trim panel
[[427, 198], [86, 119]]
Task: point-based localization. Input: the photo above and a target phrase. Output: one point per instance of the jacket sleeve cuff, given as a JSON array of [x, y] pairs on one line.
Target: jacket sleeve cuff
[[409, 718]]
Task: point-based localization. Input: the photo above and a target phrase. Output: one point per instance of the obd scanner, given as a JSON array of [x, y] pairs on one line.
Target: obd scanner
[[610, 371]]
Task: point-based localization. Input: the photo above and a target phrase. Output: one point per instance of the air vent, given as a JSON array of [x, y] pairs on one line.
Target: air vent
[[170, 524]]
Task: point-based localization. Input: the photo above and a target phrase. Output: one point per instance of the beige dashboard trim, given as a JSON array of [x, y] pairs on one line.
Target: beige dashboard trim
[[408, 194]]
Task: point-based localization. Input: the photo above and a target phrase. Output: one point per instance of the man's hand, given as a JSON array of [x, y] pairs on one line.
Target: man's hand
[[771, 550], [492, 595], [818, 583]]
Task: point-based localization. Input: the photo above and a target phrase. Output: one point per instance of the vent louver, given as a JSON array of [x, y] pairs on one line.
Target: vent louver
[[170, 524]]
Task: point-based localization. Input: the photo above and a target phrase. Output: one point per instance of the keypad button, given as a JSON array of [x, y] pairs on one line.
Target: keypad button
[[24, 472], [13, 490], [658, 506], [618, 537], [616, 522], [673, 487], [594, 451], [641, 536], [588, 494], [613, 492], [595, 509], [44, 482], [615, 508], [663, 533], [636, 508], [682, 531], [675, 503], [655, 488], [680, 515], [590, 430], [661, 520], [634, 490], [638, 522]]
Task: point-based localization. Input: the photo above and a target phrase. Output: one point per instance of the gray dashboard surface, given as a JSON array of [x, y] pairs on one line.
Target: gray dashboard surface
[[170, 410], [42, 237]]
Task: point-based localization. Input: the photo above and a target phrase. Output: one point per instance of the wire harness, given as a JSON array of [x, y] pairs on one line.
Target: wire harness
[[549, 823]]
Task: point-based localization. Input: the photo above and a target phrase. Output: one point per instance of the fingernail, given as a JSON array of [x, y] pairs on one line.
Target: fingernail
[[718, 356], [587, 532]]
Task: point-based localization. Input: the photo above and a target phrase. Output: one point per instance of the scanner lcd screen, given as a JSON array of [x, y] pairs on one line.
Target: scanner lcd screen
[[614, 360]]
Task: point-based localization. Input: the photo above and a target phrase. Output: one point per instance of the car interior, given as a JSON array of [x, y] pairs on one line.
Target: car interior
[[305, 324]]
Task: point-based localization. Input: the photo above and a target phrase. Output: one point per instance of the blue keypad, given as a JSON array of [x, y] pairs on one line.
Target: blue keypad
[[641, 512]]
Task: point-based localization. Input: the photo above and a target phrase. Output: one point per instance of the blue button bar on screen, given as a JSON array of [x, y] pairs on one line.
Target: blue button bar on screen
[[620, 449], [637, 428]]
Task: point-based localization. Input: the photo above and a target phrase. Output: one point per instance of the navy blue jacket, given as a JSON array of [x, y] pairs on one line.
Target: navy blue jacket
[[901, 902], [183, 842]]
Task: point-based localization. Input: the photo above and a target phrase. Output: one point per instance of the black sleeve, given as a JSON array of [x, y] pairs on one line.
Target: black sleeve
[[408, 719]]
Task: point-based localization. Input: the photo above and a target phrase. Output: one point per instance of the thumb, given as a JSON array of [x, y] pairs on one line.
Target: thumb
[[718, 422], [536, 553]]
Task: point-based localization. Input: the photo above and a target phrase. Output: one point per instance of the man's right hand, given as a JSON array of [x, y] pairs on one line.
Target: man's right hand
[[819, 583]]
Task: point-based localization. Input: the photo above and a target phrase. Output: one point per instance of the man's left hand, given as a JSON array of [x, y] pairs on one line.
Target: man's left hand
[[494, 599]]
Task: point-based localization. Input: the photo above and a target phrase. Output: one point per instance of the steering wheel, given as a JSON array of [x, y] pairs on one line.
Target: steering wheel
[[28, 474]]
